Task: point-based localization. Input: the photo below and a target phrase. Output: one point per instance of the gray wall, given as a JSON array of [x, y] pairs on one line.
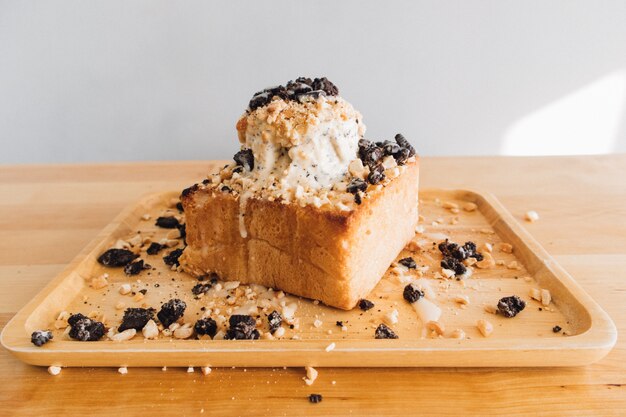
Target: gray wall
[[146, 80]]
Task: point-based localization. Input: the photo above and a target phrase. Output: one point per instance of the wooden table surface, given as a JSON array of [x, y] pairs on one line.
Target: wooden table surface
[[48, 213]]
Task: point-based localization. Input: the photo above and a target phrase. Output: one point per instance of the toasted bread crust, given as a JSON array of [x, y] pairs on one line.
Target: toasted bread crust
[[326, 254]]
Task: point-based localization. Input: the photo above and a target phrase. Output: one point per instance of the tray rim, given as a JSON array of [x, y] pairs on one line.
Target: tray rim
[[589, 346]]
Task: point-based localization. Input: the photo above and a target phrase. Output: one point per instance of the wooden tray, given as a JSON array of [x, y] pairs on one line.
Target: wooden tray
[[526, 340]]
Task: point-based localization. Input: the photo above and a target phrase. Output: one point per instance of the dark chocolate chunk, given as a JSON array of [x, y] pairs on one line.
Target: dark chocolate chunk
[[85, 329], [454, 265], [370, 154], [315, 398], [384, 332], [169, 222], [171, 311], [339, 323], [357, 199], [376, 175], [136, 267], [356, 185], [555, 329], [189, 190], [365, 304], [201, 288], [511, 306], [136, 318], [206, 326], [154, 248], [245, 158], [275, 320], [401, 140], [451, 249], [117, 257], [242, 327], [408, 262], [325, 85], [411, 293], [172, 257], [41, 337]]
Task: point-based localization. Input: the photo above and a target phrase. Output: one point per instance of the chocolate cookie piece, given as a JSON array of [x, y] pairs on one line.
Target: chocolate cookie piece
[[275, 320], [206, 326], [167, 222], [201, 288], [384, 332], [85, 329], [154, 248], [315, 398], [365, 304], [454, 265], [411, 293], [172, 257], [245, 158], [409, 262], [511, 306], [242, 327], [117, 257], [136, 318], [356, 185], [41, 337], [171, 311], [136, 267]]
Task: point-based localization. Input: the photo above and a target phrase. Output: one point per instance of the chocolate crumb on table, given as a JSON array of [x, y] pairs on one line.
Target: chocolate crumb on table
[[275, 320], [409, 262], [556, 329], [171, 258], [315, 398], [41, 337], [206, 326], [154, 248], [511, 306], [169, 222], [384, 332], [411, 293], [136, 267], [242, 327], [171, 311], [136, 318], [365, 304], [117, 257], [85, 329]]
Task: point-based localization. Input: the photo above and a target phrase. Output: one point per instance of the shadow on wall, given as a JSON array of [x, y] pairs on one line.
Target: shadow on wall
[[584, 122]]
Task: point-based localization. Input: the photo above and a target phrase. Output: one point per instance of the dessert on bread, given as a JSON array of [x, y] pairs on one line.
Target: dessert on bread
[[308, 206]]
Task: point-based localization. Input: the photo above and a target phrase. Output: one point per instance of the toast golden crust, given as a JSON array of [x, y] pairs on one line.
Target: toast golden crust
[[323, 253]]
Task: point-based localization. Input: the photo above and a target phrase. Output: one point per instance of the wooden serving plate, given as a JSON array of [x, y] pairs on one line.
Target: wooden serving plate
[[526, 340]]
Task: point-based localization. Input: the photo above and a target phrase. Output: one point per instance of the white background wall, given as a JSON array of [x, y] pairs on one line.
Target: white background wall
[[147, 80]]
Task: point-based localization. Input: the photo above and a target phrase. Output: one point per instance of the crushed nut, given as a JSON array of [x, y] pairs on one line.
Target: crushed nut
[[487, 262], [457, 334], [183, 332], [462, 300], [486, 247], [490, 309], [206, 370], [125, 289], [390, 318], [150, 330], [123, 370], [122, 336], [436, 327], [311, 375], [317, 323], [449, 205], [120, 305], [54, 370], [330, 347], [546, 297], [485, 327], [190, 370], [99, 282], [506, 247], [531, 216], [514, 265], [469, 206]]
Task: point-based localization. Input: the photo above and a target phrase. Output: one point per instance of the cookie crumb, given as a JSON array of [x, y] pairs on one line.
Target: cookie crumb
[[206, 370], [123, 370], [556, 329], [365, 304], [190, 370], [330, 347]]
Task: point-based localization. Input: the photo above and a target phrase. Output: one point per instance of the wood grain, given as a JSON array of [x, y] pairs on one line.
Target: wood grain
[[582, 203]]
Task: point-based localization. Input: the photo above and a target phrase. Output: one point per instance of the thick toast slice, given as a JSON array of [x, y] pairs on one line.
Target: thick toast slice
[[324, 253]]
